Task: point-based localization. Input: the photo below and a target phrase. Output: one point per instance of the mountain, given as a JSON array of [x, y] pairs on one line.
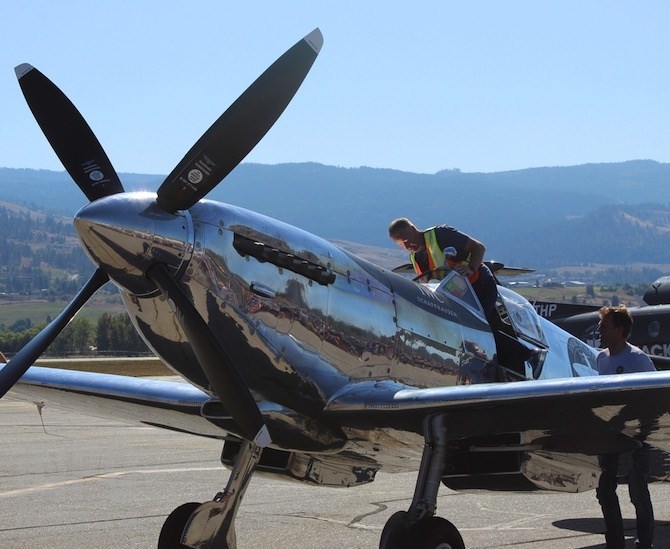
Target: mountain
[[539, 217], [614, 234], [39, 253]]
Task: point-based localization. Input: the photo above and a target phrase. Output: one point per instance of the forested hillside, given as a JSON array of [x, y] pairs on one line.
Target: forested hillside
[[616, 234], [39, 253], [613, 214]]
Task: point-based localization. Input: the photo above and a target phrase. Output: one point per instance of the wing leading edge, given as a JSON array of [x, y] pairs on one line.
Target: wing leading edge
[[169, 404], [582, 415]]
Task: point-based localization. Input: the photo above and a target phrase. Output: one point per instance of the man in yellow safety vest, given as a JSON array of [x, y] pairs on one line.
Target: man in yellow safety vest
[[464, 254]]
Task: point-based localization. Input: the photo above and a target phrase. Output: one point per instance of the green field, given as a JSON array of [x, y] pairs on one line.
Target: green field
[[37, 311], [577, 294], [124, 366]]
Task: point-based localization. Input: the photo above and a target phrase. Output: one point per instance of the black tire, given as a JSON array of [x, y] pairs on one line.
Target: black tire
[[435, 533], [173, 527], [394, 534]]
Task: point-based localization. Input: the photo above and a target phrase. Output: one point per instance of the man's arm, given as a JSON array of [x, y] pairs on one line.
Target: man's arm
[[466, 245], [476, 250]]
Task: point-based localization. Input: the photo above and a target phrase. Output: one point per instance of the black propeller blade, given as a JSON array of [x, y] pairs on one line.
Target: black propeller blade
[[68, 133], [215, 155], [16, 367], [214, 361], [240, 128]]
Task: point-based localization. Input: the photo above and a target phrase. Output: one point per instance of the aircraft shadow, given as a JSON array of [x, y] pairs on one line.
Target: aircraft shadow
[[597, 526]]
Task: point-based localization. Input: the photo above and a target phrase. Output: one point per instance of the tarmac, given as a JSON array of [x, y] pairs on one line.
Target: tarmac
[[70, 481]]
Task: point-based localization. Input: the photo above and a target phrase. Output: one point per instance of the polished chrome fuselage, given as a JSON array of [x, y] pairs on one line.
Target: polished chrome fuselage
[[296, 339], [303, 320]]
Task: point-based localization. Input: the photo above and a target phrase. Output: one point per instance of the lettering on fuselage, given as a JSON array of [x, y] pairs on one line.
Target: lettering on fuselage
[[657, 349], [438, 306], [546, 309]]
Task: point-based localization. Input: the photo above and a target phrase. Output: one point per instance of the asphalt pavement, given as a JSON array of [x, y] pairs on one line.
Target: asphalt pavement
[[70, 481]]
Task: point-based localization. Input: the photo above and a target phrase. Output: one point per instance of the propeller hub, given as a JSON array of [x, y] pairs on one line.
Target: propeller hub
[[125, 234]]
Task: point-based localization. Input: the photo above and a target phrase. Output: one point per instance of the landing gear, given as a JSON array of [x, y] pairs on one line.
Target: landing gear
[[170, 536], [428, 533], [395, 534], [212, 524], [418, 527], [437, 533]]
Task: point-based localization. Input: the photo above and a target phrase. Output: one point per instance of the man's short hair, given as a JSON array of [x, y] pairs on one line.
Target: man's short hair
[[398, 225], [620, 317]]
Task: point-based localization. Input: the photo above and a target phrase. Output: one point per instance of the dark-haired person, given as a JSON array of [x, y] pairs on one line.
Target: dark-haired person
[[620, 357]]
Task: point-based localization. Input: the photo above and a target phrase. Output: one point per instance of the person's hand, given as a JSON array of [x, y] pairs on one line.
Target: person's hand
[[463, 269]]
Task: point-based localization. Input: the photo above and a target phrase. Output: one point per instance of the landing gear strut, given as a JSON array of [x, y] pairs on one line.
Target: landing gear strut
[[418, 527], [212, 524]]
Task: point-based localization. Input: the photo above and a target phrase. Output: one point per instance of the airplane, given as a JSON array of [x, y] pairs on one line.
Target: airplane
[[651, 322], [658, 292], [313, 364]]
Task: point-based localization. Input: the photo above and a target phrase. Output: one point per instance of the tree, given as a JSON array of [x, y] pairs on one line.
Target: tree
[[116, 333], [21, 325], [76, 338], [102, 332]]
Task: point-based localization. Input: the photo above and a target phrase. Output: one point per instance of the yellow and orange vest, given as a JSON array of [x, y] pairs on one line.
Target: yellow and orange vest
[[436, 257]]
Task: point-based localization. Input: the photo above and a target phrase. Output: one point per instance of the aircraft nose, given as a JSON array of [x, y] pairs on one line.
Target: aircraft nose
[[126, 233]]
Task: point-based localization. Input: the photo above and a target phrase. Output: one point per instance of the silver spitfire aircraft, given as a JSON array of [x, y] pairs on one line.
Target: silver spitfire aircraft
[[312, 363]]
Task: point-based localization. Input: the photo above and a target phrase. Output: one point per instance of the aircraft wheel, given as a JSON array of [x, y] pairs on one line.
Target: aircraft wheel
[[173, 527], [436, 533], [394, 534]]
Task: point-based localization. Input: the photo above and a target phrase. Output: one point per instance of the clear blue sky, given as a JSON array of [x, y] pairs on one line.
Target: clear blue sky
[[422, 86]]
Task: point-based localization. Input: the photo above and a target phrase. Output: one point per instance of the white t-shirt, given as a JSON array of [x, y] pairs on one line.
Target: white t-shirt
[[628, 360]]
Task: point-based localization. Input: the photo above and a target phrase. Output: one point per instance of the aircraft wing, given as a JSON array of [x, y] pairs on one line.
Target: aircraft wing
[[583, 414], [495, 266], [405, 268], [172, 405]]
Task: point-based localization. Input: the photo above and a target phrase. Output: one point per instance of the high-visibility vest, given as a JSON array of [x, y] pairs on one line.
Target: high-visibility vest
[[436, 257]]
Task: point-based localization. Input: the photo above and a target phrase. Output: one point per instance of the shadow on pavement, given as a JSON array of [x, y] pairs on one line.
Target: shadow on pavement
[[597, 526]]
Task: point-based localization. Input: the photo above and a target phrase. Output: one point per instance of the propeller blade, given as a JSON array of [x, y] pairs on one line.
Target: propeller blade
[[219, 369], [25, 358], [240, 128], [69, 135]]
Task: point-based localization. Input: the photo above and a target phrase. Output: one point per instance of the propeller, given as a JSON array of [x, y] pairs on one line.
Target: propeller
[[221, 148], [237, 131], [70, 136], [219, 369], [18, 365]]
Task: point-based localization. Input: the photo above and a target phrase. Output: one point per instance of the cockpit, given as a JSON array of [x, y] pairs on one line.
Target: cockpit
[[520, 340], [458, 287]]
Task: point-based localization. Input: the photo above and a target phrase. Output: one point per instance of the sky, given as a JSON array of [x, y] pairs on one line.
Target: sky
[[479, 86]]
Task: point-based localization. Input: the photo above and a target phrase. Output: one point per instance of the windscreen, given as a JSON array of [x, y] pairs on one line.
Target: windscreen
[[522, 315]]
